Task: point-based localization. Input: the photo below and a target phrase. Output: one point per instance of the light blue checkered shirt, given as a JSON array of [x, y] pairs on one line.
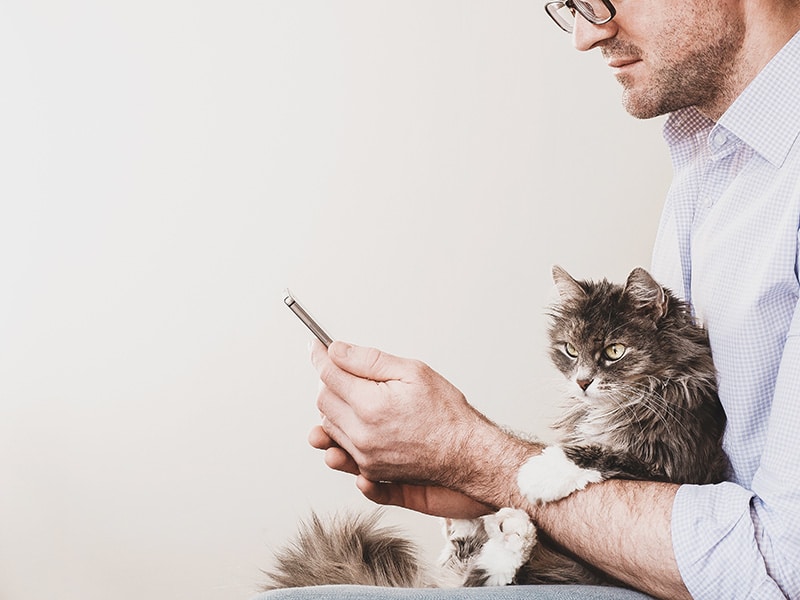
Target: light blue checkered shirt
[[728, 243]]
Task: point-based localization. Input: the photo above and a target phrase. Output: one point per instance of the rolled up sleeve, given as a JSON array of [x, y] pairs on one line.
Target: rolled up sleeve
[[715, 540]]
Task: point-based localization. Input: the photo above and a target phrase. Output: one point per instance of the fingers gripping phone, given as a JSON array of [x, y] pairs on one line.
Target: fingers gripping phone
[[306, 318]]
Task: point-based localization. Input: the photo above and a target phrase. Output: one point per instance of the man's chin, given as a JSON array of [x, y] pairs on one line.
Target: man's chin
[[641, 105]]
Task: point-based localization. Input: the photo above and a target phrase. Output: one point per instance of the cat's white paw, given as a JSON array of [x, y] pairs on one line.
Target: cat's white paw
[[511, 525], [551, 476], [512, 536]]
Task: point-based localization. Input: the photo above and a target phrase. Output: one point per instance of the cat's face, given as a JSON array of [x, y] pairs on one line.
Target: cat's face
[[604, 336]]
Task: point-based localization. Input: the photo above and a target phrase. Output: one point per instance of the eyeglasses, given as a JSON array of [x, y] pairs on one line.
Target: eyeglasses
[[596, 12]]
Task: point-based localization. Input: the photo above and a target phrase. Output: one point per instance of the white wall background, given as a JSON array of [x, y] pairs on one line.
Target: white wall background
[[411, 169]]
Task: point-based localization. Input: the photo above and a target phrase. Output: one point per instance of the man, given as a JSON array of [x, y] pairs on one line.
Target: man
[[729, 74]]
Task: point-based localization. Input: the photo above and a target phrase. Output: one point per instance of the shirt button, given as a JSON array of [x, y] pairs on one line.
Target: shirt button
[[719, 140]]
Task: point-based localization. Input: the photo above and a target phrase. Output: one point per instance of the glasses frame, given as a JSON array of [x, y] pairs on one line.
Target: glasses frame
[[553, 7]]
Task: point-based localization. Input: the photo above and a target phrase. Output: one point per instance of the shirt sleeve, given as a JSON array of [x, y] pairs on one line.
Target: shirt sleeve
[[731, 542]]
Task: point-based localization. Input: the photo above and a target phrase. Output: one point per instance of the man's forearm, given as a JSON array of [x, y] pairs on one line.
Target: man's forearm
[[622, 528]]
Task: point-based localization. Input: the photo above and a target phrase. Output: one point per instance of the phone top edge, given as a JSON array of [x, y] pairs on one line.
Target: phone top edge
[[306, 318], [288, 299]]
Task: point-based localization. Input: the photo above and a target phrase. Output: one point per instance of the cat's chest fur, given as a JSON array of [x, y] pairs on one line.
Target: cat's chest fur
[[589, 421]]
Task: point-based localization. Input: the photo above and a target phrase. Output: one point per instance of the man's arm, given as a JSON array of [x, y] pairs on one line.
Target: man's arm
[[387, 419], [620, 527]]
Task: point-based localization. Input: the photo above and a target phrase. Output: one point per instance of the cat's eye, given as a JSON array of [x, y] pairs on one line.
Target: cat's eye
[[614, 351], [570, 350]]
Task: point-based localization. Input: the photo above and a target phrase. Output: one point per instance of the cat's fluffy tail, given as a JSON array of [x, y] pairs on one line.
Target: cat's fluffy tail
[[346, 549]]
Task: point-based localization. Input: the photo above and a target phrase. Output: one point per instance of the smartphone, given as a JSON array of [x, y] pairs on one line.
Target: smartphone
[[306, 318]]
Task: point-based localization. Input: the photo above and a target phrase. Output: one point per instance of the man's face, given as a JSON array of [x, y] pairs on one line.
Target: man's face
[[670, 55]]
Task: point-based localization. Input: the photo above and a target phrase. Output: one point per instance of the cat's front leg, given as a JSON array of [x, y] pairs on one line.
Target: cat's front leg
[[552, 475]]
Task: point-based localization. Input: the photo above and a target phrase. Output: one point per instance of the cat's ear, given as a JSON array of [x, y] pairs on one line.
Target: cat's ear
[[646, 292], [568, 288]]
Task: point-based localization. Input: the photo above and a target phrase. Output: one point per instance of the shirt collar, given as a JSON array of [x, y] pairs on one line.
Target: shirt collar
[[765, 116]]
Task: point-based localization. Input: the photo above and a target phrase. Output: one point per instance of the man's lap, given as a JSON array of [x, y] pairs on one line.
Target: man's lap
[[512, 592]]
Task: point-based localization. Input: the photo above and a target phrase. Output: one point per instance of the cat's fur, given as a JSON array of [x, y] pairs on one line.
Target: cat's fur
[[641, 404]]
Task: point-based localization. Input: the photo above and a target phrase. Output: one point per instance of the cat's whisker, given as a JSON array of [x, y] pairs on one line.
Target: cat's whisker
[[627, 405], [649, 397]]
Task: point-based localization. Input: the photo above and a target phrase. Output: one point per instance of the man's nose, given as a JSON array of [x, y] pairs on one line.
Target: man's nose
[[586, 35]]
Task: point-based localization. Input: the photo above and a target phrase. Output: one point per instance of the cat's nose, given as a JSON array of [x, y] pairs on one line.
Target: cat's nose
[[585, 383]]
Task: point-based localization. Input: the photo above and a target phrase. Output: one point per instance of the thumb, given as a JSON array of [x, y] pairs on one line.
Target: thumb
[[367, 363]]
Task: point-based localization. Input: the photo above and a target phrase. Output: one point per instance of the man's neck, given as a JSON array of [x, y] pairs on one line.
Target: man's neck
[[767, 32]]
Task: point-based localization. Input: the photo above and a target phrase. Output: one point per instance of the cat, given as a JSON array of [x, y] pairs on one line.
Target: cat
[[641, 404]]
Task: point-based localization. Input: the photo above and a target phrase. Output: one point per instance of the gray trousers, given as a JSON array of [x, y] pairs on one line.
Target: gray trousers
[[511, 592]]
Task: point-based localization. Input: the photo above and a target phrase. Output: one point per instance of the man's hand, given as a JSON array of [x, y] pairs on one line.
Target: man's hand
[[431, 500], [396, 418], [410, 435]]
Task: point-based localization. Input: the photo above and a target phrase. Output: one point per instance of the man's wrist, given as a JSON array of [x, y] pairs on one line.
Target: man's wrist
[[488, 460]]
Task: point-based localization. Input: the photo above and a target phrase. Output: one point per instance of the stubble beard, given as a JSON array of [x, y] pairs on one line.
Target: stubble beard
[[703, 78]]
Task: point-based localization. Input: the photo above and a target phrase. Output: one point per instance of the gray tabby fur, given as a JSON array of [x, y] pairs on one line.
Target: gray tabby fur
[[652, 414], [656, 414]]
